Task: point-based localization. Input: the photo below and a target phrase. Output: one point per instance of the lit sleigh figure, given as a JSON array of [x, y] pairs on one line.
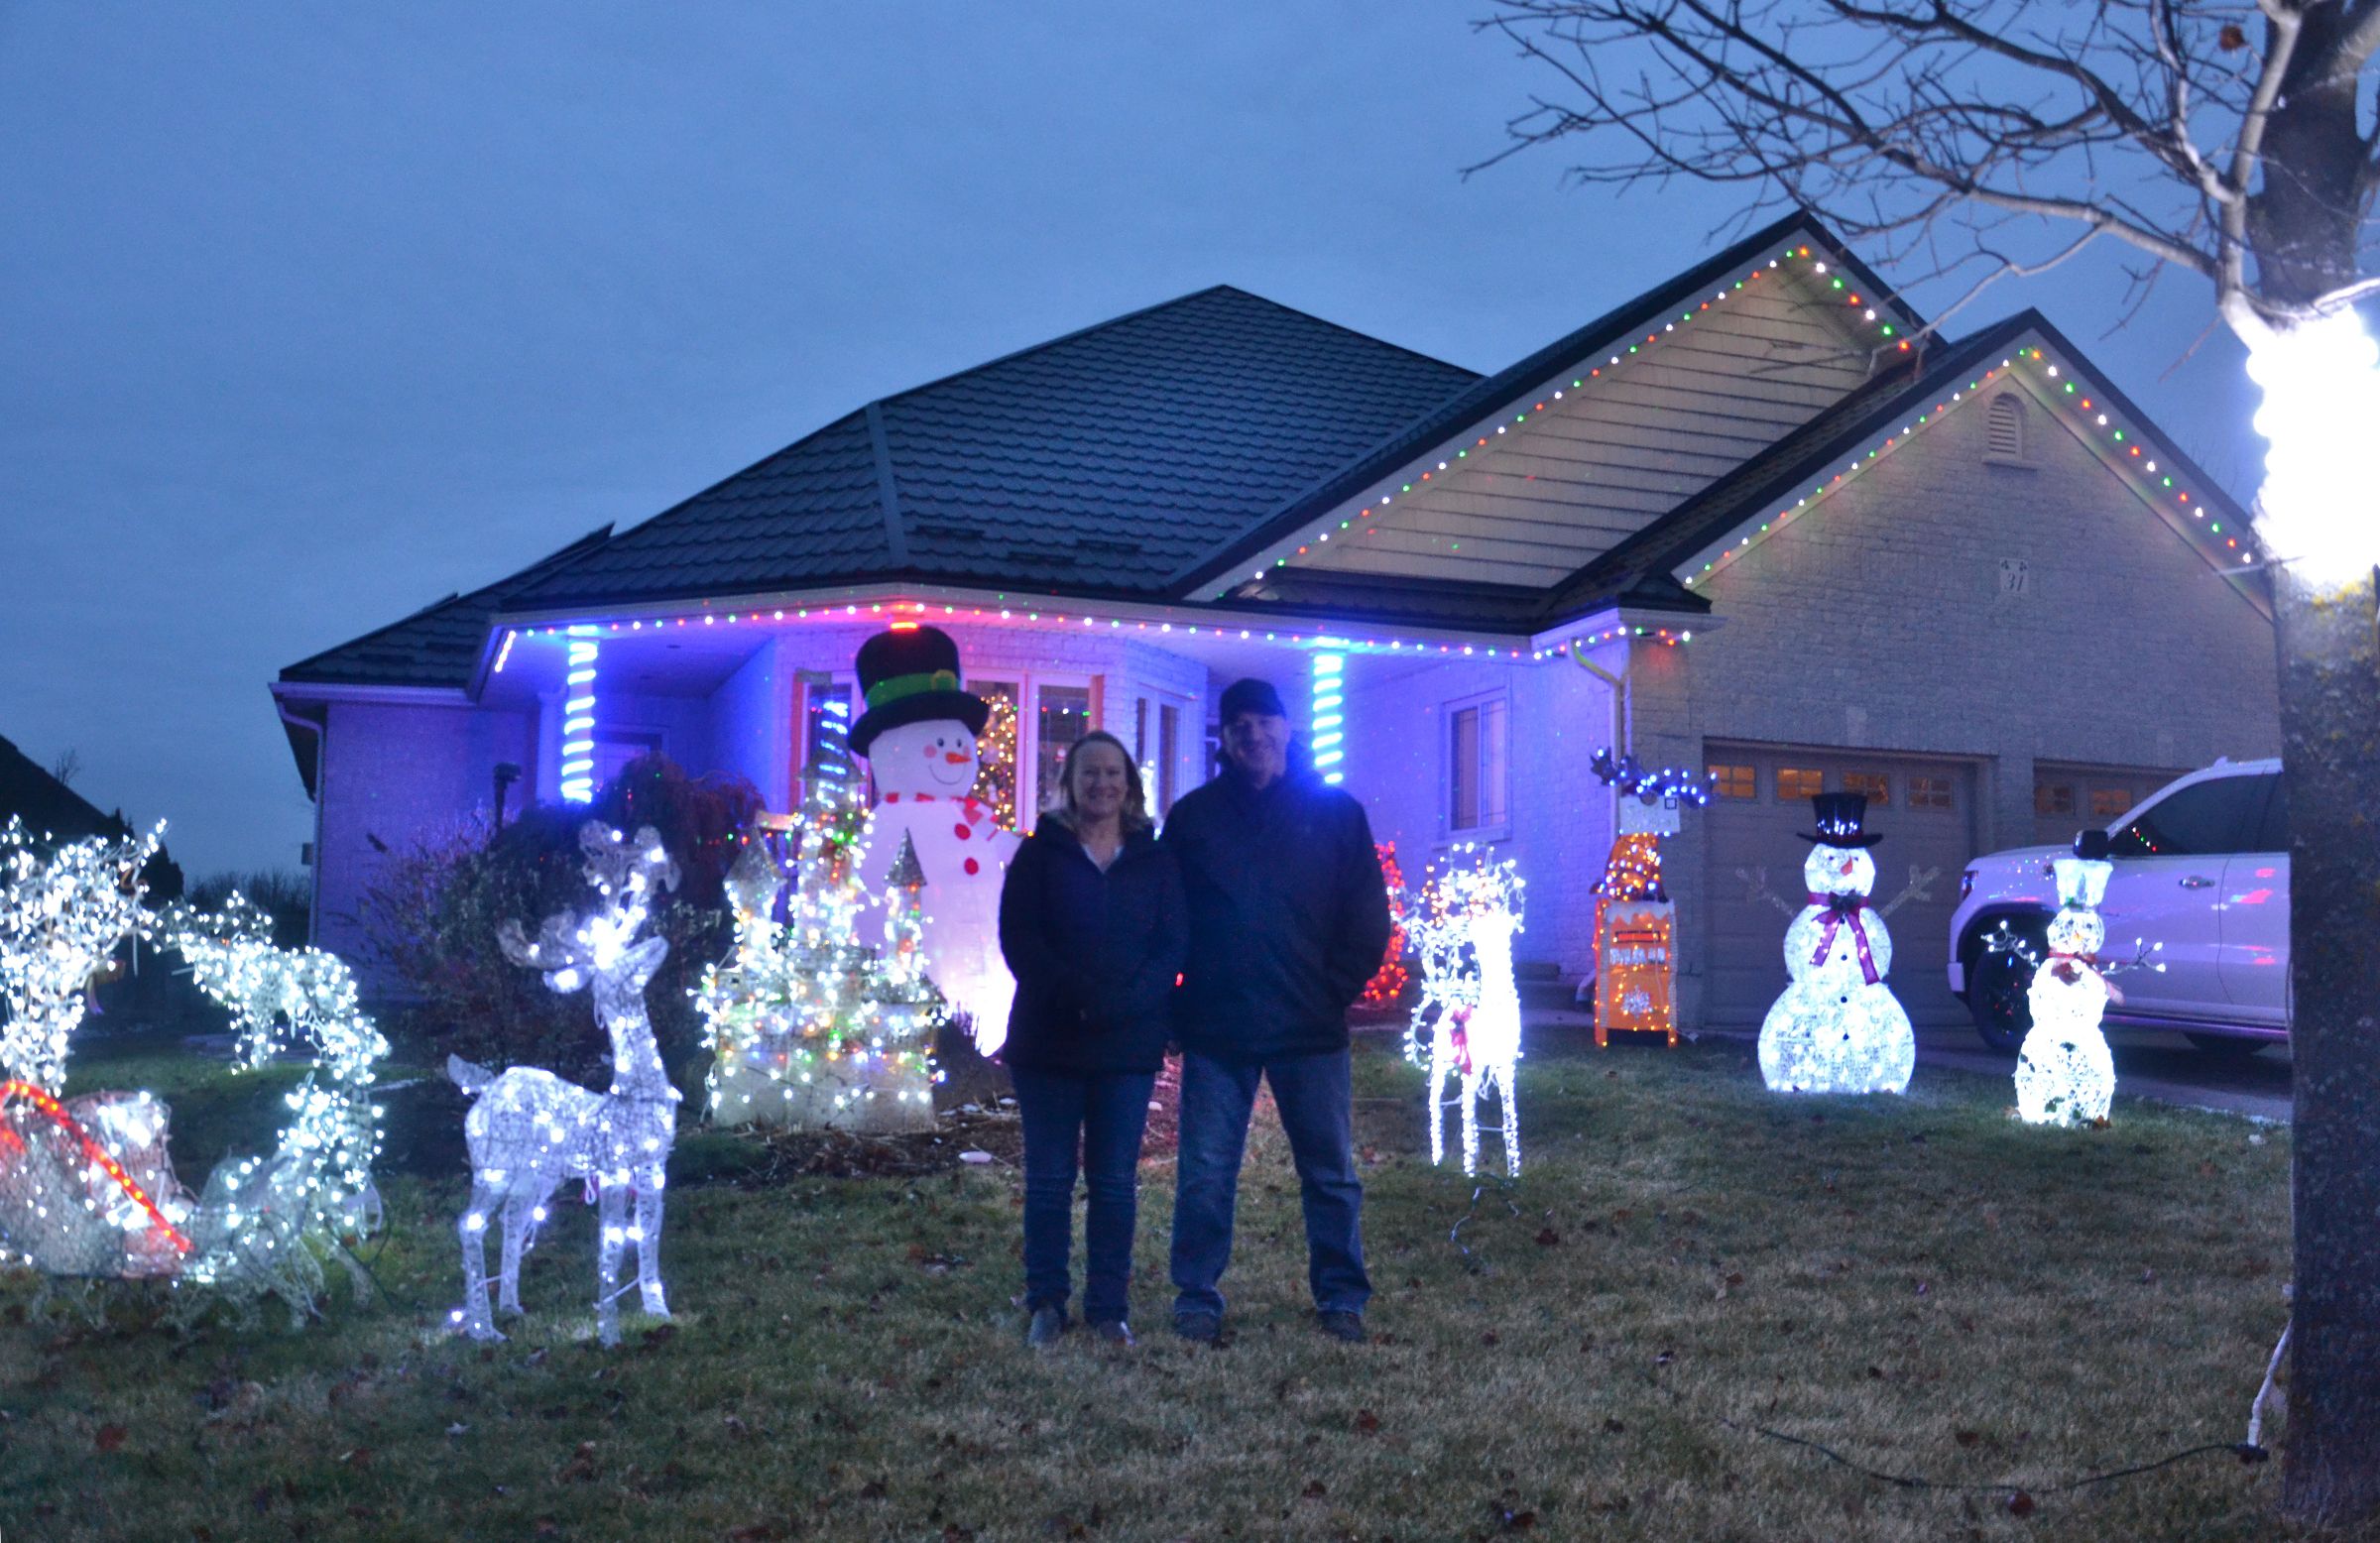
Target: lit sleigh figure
[[2064, 1074], [528, 1130], [1838, 1028]]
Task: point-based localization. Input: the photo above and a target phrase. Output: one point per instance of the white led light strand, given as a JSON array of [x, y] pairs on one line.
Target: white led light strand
[[528, 1130], [1471, 1006]]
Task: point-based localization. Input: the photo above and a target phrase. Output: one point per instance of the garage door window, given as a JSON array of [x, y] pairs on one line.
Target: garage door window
[[1798, 782], [1735, 782], [1874, 786], [2108, 803], [2053, 797], [2202, 819], [1929, 792]]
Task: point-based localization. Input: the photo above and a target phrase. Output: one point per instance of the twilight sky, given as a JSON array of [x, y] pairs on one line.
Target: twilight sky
[[312, 314]]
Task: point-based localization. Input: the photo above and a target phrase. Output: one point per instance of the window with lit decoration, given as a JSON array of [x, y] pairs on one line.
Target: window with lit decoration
[[1479, 763], [2204, 819], [1795, 783], [1737, 782], [1061, 715], [1928, 793], [823, 706]]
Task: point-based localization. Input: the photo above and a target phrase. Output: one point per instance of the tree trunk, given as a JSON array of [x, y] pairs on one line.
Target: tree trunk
[[2331, 748]]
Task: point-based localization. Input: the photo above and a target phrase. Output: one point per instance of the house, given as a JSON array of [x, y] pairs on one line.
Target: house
[[1754, 521]]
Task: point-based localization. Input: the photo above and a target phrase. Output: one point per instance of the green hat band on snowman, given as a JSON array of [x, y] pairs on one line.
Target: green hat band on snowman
[[893, 688]]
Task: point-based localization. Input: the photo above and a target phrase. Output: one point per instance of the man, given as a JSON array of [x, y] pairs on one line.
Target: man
[[1289, 918]]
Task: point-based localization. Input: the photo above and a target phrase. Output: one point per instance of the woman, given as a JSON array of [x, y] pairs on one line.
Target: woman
[[1094, 925]]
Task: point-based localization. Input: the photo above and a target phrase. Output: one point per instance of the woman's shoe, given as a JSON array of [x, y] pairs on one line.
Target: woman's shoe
[[1048, 1323]]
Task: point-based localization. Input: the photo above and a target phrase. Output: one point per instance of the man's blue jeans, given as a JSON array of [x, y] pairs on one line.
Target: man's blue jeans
[[1105, 1114], [1316, 1097]]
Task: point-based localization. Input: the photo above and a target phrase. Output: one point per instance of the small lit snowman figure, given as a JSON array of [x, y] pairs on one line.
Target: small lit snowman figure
[[919, 734], [2065, 1075], [1838, 1028]]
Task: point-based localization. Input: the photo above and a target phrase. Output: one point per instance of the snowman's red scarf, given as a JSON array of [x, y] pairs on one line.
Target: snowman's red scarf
[[1840, 908], [2069, 967]]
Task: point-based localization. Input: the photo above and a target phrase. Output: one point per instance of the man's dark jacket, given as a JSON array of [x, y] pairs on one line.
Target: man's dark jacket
[[1095, 954], [1288, 914]]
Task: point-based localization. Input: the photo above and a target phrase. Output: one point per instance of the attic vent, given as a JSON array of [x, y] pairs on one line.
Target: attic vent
[[2006, 441]]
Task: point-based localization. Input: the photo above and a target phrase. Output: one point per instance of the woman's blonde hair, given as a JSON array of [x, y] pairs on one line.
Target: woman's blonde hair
[[1135, 816]]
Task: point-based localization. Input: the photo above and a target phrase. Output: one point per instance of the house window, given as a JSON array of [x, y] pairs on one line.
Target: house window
[[1169, 740], [826, 718], [2053, 797], [615, 748], [996, 749], [1875, 786], [1929, 792], [1735, 782], [2107, 803], [2005, 431], [1061, 715], [1794, 783], [1478, 765]]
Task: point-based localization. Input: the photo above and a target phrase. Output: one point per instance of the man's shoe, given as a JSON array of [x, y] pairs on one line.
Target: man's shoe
[[1050, 1323], [1341, 1326], [1114, 1331], [1198, 1328]]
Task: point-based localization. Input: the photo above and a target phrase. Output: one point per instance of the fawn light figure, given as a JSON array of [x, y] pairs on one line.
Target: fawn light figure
[[528, 1130], [1476, 1038]]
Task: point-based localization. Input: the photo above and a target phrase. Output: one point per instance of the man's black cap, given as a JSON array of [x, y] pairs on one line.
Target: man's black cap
[[1251, 696]]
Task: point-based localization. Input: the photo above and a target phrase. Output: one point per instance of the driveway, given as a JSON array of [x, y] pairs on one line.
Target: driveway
[[2148, 1064]]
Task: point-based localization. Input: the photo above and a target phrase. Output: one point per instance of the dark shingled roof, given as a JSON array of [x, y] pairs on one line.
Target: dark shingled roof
[[1104, 462], [438, 644]]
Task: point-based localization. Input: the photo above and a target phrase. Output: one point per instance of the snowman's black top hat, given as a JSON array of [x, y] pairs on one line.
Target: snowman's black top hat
[[912, 675], [1840, 820]]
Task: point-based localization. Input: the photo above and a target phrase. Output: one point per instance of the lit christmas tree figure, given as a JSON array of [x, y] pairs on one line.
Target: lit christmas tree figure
[[1838, 1028]]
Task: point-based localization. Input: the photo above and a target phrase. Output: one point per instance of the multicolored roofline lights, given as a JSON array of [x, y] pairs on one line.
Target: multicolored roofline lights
[[2119, 446], [1302, 635], [1888, 323]]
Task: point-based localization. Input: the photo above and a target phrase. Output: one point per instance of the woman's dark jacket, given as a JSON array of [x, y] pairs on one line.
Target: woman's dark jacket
[[1095, 955], [1288, 915]]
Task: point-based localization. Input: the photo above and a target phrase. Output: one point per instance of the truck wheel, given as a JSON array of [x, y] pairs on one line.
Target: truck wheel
[[1995, 991]]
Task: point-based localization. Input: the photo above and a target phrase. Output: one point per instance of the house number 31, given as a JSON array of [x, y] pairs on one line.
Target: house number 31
[[2016, 576]]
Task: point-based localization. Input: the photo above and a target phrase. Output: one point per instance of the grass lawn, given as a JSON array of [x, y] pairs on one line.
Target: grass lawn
[[1918, 1284]]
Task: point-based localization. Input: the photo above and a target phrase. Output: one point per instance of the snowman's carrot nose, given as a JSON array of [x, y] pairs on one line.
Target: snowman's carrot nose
[[1846, 866], [956, 759]]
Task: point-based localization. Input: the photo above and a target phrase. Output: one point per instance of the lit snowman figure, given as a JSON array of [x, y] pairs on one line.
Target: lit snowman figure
[[2065, 1075], [919, 734], [1838, 1028]]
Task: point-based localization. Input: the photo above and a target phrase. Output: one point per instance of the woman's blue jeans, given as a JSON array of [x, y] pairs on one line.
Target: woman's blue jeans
[[1103, 1114]]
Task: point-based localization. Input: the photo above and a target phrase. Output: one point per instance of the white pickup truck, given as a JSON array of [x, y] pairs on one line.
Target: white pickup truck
[[2201, 869]]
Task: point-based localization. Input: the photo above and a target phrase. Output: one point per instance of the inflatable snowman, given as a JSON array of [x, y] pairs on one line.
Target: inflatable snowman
[[918, 736], [1838, 1028], [2065, 1075]]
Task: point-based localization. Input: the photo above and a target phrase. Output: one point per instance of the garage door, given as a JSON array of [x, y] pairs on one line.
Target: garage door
[[1923, 808], [2068, 797]]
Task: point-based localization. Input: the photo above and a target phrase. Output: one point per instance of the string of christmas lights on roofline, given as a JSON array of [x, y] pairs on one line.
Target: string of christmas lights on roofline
[[912, 612], [2123, 444], [1410, 482]]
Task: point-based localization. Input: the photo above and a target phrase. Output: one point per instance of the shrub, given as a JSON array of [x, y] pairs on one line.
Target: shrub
[[432, 916], [285, 896]]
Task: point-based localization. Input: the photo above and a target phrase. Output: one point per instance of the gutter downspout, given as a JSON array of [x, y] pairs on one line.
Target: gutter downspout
[[1618, 684], [321, 732]]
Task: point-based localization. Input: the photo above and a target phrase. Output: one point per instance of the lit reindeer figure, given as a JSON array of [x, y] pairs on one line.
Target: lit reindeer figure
[[1478, 1037], [528, 1130]]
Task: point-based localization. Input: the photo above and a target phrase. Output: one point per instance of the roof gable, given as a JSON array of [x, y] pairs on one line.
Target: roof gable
[[1549, 463], [1103, 461]]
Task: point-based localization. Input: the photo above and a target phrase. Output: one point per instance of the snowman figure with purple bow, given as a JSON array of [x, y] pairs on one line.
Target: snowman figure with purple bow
[[1838, 1028]]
